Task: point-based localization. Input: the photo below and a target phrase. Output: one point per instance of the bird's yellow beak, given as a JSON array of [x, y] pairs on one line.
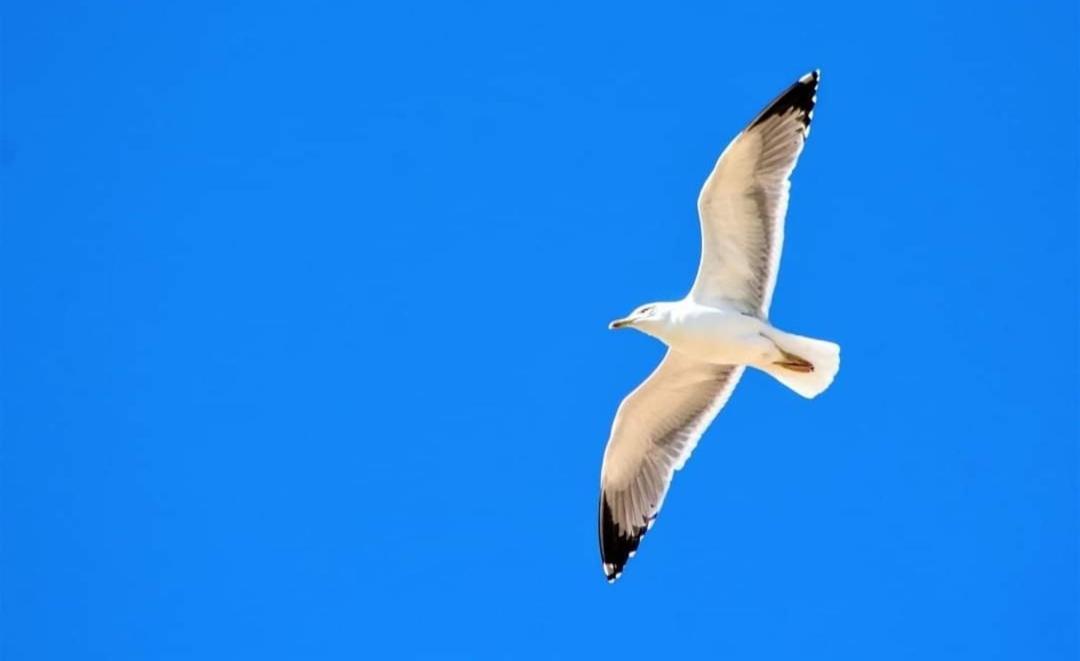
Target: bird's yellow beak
[[620, 323]]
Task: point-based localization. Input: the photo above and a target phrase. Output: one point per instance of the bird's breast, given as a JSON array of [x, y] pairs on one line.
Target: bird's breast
[[720, 337]]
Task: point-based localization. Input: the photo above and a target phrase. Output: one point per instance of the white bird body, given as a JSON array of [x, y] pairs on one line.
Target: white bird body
[[724, 335], [717, 330], [718, 335]]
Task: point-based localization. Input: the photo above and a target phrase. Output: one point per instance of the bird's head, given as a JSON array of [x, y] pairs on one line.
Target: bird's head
[[645, 318]]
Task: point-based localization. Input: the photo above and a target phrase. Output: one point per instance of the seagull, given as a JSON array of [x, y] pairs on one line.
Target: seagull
[[717, 330]]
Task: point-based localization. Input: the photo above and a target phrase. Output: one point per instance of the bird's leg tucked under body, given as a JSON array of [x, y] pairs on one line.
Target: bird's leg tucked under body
[[794, 363], [789, 360]]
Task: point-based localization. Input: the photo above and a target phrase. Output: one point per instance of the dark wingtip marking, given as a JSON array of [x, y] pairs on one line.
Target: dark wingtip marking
[[616, 547], [801, 97]]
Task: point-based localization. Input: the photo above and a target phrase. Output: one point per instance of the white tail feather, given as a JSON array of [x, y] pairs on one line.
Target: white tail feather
[[823, 355]]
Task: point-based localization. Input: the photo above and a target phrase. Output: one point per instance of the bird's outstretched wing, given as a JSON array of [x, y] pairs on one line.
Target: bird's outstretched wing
[[744, 200], [655, 430]]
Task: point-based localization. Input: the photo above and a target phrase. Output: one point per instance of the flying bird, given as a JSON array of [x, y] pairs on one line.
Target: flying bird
[[716, 331]]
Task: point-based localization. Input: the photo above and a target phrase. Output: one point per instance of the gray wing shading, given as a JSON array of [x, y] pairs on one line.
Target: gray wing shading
[[743, 203], [655, 430]]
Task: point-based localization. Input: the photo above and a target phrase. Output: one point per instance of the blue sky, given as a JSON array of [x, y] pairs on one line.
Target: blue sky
[[304, 337]]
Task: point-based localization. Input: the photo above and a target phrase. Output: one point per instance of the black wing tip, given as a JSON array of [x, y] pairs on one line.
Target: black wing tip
[[801, 97], [616, 547]]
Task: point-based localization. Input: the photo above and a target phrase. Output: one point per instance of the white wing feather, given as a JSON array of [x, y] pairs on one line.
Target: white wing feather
[[656, 428], [743, 203]]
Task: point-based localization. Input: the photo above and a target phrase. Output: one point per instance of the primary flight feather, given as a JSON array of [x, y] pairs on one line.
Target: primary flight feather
[[717, 330]]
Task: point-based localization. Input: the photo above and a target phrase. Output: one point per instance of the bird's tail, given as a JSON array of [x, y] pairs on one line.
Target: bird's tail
[[807, 366]]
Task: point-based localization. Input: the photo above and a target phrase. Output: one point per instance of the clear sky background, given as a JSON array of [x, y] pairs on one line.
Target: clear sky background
[[305, 350]]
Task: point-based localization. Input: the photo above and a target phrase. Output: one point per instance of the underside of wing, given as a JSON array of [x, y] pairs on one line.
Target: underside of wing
[[655, 430], [744, 201]]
